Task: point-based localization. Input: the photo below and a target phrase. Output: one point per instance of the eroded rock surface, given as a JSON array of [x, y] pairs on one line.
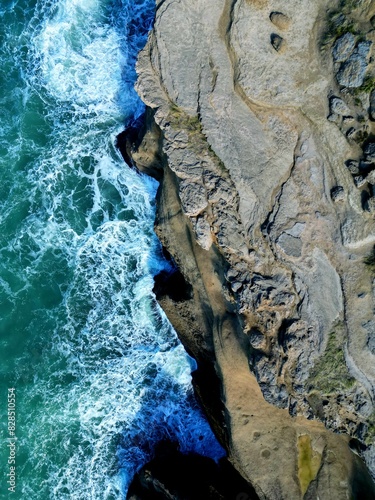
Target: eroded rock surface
[[258, 208]]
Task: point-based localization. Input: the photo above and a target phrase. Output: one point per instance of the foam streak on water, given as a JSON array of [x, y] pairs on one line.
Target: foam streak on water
[[99, 373]]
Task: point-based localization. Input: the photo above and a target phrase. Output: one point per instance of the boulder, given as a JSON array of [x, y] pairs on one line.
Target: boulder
[[338, 106], [343, 47], [352, 72], [337, 193], [363, 48], [353, 167]]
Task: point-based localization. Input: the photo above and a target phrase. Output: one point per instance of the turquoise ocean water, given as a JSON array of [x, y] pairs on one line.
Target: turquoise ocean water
[[98, 372]]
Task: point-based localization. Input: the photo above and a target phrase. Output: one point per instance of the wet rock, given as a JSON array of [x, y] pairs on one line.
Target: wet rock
[[172, 284], [337, 193], [343, 47], [280, 20], [277, 42], [140, 146], [338, 106]]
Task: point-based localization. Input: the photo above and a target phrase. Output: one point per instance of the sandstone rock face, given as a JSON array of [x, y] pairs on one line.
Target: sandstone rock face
[[280, 313], [280, 20]]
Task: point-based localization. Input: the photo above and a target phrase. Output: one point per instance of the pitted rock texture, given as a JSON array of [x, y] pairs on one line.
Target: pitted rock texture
[[249, 209], [352, 37]]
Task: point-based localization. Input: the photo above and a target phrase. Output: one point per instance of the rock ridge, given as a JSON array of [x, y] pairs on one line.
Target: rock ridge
[[260, 215]]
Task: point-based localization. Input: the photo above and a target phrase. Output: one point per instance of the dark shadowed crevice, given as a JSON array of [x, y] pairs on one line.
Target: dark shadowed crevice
[[173, 475]]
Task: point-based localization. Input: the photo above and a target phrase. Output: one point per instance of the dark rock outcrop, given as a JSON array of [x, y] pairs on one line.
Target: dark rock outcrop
[[352, 71], [277, 42], [174, 476]]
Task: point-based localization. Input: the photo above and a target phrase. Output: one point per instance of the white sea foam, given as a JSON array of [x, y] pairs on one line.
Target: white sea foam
[[82, 59]]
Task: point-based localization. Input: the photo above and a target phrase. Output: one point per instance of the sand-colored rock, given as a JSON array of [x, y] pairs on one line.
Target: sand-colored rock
[[280, 20], [273, 262]]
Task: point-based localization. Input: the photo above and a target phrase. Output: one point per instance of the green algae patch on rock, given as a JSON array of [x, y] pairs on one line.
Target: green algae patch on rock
[[182, 120], [330, 372], [309, 461], [370, 437], [192, 126]]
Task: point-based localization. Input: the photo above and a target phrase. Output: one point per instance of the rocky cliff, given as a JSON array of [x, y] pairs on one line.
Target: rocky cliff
[[260, 129]]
